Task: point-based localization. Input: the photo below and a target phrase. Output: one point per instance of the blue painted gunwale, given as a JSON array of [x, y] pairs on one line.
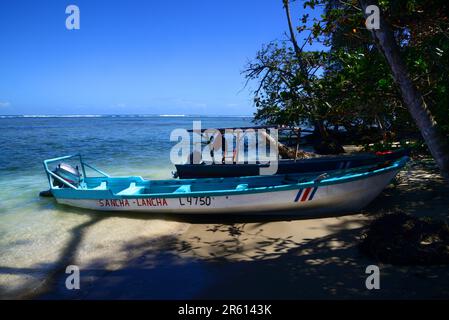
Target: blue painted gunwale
[[285, 166], [89, 194]]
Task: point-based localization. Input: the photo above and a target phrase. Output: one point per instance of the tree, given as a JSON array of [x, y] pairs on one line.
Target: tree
[[287, 85], [356, 87], [413, 99]]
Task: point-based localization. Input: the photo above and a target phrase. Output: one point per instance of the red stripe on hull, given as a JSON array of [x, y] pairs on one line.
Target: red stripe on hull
[[305, 194]]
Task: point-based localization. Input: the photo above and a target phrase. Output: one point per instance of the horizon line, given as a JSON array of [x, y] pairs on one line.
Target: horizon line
[[115, 115]]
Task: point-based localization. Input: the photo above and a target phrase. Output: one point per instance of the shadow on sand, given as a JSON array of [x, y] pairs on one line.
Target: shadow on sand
[[267, 266]]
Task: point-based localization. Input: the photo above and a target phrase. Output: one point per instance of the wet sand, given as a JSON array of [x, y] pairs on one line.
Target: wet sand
[[132, 256]]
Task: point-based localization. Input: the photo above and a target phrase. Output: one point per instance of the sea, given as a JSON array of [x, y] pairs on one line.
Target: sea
[[32, 227]]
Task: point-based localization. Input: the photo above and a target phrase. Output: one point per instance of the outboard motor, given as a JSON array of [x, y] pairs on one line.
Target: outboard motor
[[67, 173]]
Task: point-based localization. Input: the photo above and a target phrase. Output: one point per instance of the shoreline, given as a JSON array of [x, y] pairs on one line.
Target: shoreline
[[32, 116], [130, 256]]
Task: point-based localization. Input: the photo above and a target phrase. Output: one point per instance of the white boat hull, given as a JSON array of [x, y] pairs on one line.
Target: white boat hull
[[347, 196]]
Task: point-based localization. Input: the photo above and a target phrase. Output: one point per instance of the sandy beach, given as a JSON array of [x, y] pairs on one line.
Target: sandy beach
[[103, 105], [140, 257]]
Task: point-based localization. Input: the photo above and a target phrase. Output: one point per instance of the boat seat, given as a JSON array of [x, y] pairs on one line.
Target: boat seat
[[131, 190], [242, 186], [183, 189], [101, 186]]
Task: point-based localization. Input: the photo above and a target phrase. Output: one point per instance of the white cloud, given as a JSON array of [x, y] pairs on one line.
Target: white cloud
[[4, 104]]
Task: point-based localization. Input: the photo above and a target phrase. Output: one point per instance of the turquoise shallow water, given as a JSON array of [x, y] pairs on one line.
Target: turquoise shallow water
[[33, 229]]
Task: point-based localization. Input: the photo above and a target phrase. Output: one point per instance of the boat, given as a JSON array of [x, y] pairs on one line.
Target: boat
[[286, 166], [335, 191]]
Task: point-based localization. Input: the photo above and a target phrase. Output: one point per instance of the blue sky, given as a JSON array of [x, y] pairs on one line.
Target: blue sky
[[134, 56]]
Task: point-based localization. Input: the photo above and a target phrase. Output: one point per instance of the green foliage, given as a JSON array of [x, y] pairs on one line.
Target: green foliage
[[284, 94], [350, 85]]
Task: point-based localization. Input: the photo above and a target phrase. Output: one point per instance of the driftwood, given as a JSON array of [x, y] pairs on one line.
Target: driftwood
[[285, 151]]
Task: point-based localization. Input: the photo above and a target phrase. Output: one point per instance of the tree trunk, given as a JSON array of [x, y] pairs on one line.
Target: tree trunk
[[436, 142], [298, 51], [321, 129], [291, 30], [307, 87]]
